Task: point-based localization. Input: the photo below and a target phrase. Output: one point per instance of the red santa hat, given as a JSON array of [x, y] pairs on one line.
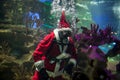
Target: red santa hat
[[63, 24]]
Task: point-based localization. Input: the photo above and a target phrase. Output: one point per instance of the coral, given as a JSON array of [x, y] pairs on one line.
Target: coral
[[15, 69], [13, 42]]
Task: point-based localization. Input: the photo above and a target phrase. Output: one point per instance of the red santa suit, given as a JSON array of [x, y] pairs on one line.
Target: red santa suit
[[52, 55]]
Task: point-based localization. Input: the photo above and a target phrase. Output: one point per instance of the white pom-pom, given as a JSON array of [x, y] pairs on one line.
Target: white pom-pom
[[63, 9]]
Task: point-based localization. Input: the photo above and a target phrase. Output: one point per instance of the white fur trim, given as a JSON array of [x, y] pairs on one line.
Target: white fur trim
[[73, 61], [54, 74], [63, 56], [56, 34], [66, 29], [57, 67], [39, 65], [60, 29]]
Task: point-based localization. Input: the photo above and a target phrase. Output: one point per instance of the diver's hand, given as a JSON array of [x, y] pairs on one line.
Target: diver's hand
[[68, 68], [43, 74]]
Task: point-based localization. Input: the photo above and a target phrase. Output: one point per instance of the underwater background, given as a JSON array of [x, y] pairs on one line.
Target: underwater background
[[23, 23]]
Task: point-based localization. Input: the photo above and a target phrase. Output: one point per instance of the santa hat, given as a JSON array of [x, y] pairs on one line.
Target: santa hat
[[63, 24]]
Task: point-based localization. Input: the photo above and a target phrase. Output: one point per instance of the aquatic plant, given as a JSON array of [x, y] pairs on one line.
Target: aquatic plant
[[91, 57], [5, 48], [6, 64], [22, 72]]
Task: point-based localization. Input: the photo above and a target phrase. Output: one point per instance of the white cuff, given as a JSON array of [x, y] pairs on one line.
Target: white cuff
[[72, 60], [39, 65]]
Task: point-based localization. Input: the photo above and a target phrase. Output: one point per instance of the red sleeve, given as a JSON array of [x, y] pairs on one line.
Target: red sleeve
[[39, 53]]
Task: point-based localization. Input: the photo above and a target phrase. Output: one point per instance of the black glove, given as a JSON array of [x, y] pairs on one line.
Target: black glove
[[43, 74], [68, 68]]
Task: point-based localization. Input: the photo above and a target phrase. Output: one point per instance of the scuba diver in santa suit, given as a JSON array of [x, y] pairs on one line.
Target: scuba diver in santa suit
[[55, 53]]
